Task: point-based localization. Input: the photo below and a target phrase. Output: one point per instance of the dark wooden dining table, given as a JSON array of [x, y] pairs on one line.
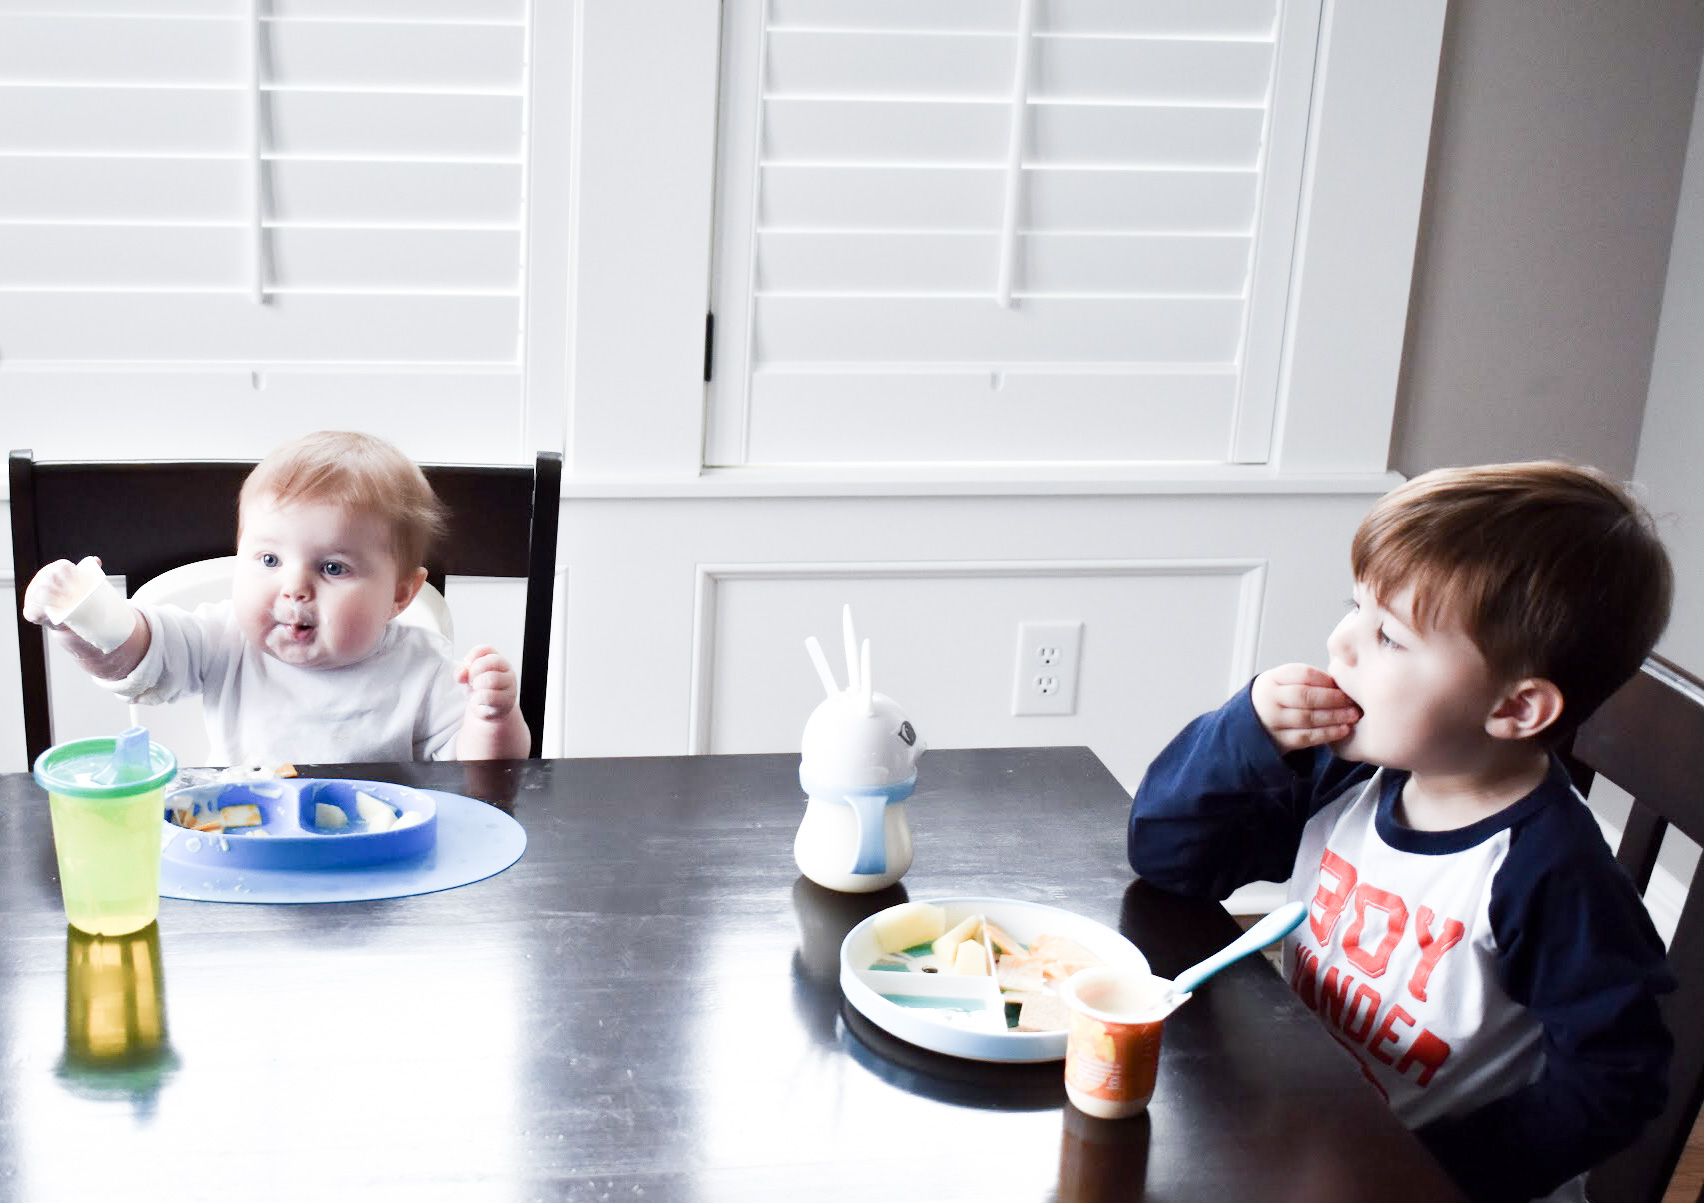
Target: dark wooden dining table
[[645, 1007]]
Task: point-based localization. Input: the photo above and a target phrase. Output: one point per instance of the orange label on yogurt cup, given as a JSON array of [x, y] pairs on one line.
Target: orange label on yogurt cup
[[1113, 1061]]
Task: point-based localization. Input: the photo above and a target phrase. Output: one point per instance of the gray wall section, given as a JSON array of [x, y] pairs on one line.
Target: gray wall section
[[1673, 437], [1558, 146]]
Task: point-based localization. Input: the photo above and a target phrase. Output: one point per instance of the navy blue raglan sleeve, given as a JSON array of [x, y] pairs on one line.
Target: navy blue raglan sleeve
[[1219, 807], [1578, 950]]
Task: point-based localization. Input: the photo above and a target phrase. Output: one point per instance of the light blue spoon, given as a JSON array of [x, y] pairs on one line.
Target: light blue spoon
[[1275, 926]]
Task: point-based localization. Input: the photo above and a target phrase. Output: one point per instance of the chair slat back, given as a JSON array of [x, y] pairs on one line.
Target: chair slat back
[[1649, 740]]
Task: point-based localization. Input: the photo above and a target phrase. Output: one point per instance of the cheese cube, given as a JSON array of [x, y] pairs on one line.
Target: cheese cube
[[909, 923], [971, 958], [947, 946]]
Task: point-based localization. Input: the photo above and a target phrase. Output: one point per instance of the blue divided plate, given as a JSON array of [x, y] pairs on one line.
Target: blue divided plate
[[298, 828]]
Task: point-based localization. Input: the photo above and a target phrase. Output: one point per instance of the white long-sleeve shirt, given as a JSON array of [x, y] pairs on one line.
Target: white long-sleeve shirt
[[401, 702]]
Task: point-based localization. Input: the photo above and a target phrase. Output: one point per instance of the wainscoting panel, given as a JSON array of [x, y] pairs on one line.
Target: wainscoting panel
[[944, 646]]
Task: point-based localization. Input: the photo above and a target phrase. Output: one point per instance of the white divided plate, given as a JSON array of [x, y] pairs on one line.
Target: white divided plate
[[868, 989]]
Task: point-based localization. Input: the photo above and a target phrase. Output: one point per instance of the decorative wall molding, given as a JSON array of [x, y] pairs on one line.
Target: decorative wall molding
[[1244, 638]]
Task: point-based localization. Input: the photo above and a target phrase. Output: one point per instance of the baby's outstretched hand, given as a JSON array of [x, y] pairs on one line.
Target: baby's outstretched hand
[[54, 590], [92, 621], [1301, 707], [490, 681]]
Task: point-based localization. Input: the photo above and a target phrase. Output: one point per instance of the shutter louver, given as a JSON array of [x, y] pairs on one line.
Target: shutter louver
[[863, 192], [392, 169]]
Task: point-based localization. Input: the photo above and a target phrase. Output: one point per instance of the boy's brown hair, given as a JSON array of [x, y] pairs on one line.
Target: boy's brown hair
[[1553, 570], [360, 473]]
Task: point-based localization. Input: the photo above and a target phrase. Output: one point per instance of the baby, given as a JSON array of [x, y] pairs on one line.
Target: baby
[[1470, 940], [303, 663]]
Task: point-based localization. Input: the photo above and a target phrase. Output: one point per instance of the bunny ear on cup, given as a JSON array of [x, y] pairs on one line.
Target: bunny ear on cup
[[824, 672], [851, 648], [866, 690]]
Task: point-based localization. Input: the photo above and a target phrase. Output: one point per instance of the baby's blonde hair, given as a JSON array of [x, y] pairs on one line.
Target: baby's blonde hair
[[359, 472]]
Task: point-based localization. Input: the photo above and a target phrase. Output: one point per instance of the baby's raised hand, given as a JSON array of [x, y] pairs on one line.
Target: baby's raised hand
[[55, 589], [490, 682], [1301, 707], [92, 621]]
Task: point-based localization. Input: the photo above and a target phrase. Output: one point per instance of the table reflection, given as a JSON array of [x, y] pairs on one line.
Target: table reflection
[[1102, 1160], [115, 1016], [824, 917]]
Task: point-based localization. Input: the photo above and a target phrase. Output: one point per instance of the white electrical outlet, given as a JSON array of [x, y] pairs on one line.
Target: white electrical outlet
[[1044, 679]]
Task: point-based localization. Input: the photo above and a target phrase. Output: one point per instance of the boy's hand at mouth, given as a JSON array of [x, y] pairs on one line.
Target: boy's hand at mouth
[[1301, 707]]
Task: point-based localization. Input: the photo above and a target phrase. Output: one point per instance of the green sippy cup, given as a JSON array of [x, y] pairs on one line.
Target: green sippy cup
[[107, 797]]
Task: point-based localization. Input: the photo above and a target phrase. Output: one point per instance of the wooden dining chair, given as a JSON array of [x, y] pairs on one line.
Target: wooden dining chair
[[145, 518], [1649, 740]]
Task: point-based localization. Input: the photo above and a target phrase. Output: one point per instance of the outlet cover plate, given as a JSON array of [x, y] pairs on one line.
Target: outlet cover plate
[[1046, 667]]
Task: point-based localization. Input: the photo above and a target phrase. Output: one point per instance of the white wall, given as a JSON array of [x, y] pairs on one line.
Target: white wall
[[695, 642]]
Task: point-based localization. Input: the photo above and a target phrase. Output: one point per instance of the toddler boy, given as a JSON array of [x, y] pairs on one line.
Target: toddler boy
[[303, 663], [1471, 940]]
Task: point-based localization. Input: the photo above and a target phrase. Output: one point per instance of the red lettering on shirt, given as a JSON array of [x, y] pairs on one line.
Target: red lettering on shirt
[[1302, 980], [1432, 948], [1327, 905], [1428, 1052], [1333, 994], [1363, 994], [1370, 897], [1387, 1032], [1350, 1007]]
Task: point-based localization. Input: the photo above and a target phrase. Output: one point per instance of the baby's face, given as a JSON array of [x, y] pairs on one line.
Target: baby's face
[[315, 584], [1424, 696]]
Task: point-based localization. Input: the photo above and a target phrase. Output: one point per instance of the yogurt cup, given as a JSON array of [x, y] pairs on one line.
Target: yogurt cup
[[1112, 1048]]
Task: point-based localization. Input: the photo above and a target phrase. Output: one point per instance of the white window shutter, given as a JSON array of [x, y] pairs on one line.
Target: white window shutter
[[392, 179], [866, 244]]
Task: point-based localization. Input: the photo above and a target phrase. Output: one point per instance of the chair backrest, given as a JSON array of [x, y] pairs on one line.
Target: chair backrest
[[1649, 740], [145, 518]]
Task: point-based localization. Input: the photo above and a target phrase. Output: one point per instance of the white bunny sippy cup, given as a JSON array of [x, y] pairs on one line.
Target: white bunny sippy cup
[[858, 765]]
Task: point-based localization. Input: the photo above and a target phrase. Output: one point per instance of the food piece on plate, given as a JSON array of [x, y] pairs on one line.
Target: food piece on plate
[[965, 929], [971, 959], [1001, 941], [409, 819], [907, 925], [327, 815], [1043, 1012], [1019, 972], [379, 816], [183, 816], [1061, 957], [240, 814]]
